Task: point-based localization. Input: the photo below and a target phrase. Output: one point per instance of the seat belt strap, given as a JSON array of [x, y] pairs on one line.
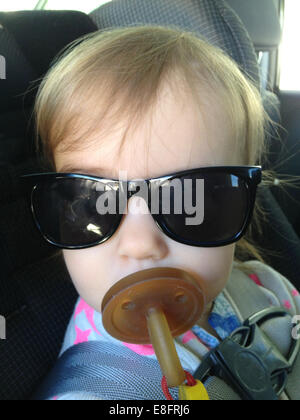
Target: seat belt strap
[[104, 370]]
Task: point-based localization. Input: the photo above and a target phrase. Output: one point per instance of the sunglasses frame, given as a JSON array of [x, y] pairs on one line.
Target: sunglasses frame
[[252, 175]]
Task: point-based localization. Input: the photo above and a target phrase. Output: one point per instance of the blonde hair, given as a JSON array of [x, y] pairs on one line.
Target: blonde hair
[[118, 74]]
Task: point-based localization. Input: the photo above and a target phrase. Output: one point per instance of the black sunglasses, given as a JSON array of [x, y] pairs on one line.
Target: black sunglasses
[[66, 209]]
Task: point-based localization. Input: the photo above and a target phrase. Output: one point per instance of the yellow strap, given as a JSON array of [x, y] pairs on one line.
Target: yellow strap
[[196, 392]]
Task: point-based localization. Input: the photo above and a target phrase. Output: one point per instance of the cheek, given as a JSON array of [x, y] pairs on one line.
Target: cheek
[[214, 265], [86, 276], [221, 260]]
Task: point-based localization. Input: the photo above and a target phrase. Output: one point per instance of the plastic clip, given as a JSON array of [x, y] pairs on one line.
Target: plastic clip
[[248, 361]]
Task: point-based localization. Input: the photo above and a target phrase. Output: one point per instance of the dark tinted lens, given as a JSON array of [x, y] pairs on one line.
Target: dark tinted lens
[[212, 211], [67, 211]]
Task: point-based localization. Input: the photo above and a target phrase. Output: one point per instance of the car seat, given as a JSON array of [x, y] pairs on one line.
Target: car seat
[[29, 40], [37, 296]]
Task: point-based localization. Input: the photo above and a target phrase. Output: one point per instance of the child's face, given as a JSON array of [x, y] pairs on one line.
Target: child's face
[[180, 138]]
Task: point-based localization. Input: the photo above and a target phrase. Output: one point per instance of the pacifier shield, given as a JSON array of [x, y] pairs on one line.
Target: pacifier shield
[[175, 292]]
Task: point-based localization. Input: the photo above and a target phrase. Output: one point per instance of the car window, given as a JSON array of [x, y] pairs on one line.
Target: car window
[[13, 5], [289, 51], [84, 6]]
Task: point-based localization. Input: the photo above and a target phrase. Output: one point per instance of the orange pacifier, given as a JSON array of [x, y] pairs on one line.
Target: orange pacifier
[[151, 307]]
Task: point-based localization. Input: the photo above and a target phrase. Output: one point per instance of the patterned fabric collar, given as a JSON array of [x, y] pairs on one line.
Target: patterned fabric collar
[[222, 319]]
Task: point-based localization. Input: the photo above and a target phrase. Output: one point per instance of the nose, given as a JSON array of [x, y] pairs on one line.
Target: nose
[[139, 236]]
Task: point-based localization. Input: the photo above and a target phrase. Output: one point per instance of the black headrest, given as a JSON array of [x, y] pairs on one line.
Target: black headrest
[[29, 40]]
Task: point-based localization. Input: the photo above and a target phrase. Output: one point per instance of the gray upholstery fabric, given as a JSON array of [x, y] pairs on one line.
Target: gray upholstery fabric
[[212, 20], [261, 20]]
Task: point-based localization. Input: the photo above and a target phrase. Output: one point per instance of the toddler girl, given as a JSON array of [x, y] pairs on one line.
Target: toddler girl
[[143, 103]]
